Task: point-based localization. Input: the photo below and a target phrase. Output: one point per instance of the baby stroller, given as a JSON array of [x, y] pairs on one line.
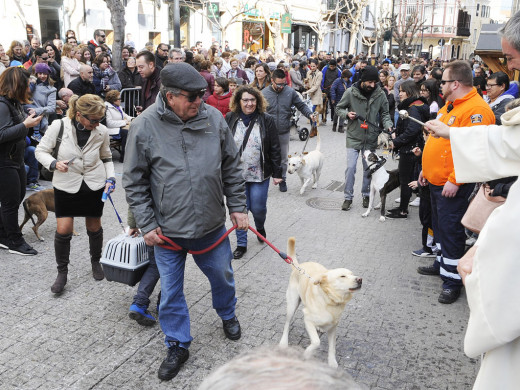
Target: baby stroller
[[303, 132]]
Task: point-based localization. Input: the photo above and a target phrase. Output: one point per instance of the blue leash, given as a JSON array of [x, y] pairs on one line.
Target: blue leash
[[117, 214]]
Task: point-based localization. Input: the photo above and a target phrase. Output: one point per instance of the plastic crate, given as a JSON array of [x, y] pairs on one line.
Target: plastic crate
[[125, 259]]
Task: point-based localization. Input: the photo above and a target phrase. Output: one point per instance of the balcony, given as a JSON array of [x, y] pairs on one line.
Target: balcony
[[463, 32]]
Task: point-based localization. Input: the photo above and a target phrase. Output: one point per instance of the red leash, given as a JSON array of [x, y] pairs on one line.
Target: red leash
[[169, 244]]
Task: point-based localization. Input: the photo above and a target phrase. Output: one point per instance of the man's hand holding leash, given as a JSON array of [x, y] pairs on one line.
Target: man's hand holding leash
[[152, 237], [241, 220]]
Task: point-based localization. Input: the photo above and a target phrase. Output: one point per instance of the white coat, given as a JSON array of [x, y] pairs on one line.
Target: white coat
[[483, 153], [115, 120], [314, 90], [70, 68], [93, 163]]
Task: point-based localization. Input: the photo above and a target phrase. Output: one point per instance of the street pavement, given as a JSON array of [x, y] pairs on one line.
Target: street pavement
[[393, 334]]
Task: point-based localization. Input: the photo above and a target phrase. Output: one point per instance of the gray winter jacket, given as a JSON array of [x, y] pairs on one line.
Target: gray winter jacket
[[374, 110], [280, 106], [176, 174], [44, 103]]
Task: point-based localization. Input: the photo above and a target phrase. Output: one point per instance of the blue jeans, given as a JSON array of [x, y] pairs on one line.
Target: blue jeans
[[32, 163], [148, 281], [350, 175], [256, 194], [174, 316]]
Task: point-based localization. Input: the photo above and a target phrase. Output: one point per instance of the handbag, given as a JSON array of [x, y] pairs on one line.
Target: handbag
[[480, 209], [44, 172]]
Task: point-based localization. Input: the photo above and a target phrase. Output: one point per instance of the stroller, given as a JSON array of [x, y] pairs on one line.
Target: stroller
[[303, 132]]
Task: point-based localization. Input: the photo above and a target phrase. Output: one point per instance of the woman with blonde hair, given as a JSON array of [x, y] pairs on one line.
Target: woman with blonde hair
[[69, 64], [83, 170], [16, 53]]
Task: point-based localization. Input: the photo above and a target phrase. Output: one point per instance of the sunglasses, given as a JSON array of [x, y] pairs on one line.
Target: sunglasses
[[448, 81], [102, 36], [93, 121], [192, 97], [280, 85]]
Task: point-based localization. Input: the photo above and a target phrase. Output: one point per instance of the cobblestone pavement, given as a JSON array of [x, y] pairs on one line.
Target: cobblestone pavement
[[393, 334]]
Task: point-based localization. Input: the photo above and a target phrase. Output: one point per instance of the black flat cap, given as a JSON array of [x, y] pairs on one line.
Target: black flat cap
[[183, 76]]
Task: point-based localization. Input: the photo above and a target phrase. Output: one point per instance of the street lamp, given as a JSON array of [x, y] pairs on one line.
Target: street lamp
[[392, 27]]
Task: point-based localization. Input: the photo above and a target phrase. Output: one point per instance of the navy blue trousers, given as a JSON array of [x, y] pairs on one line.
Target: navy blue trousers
[[449, 232]]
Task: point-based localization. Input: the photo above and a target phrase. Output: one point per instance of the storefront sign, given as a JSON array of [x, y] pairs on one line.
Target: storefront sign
[[213, 11], [286, 23]]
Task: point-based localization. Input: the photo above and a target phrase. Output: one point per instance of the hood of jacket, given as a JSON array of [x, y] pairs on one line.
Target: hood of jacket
[[511, 118]]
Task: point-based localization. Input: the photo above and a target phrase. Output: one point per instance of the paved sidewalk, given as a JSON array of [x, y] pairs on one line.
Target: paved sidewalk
[[393, 334]]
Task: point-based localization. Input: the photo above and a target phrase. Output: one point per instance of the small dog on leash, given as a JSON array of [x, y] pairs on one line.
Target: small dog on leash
[[324, 298], [383, 182], [308, 166], [39, 204]]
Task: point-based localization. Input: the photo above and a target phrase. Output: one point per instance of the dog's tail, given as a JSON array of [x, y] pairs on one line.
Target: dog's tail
[[27, 213], [318, 144], [291, 252]]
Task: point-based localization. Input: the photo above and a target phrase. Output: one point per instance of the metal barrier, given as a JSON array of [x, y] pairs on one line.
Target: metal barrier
[[130, 98]]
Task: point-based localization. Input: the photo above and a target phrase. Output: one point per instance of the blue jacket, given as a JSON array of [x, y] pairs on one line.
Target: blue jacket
[[338, 89], [324, 71]]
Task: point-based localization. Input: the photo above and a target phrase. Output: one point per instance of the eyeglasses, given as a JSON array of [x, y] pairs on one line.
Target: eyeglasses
[[248, 101], [491, 85], [192, 97], [281, 85], [93, 121], [448, 81], [44, 58], [102, 36]]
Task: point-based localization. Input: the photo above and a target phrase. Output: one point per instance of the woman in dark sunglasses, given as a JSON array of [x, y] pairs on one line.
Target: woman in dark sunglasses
[[83, 170]]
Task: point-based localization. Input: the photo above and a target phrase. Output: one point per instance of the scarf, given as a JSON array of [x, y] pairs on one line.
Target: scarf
[[103, 75], [247, 118]]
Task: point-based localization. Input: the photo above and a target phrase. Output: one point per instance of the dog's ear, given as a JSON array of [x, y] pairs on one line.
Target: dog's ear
[[289, 156], [305, 153]]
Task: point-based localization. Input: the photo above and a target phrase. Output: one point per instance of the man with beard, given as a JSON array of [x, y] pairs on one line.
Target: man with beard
[[367, 99], [161, 55]]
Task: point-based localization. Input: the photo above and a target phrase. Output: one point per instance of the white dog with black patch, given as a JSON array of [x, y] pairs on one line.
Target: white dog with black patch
[[308, 166]]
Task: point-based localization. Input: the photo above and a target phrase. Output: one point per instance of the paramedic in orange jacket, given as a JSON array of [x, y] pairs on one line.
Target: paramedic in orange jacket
[[464, 107]]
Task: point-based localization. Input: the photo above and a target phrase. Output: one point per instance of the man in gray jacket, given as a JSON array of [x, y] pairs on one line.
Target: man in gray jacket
[[180, 162], [281, 98], [367, 99]]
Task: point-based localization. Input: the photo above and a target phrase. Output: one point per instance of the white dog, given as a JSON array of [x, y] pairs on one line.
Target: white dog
[[383, 182], [308, 166], [324, 299]]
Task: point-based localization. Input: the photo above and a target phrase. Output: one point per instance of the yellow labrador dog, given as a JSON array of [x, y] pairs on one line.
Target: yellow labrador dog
[[324, 299]]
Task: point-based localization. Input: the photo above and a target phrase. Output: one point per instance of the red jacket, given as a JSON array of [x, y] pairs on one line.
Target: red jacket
[[220, 102]]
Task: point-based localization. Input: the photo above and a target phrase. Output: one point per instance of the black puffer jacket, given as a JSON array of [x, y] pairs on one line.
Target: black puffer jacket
[[409, 133], [12, 134], [270, 156]]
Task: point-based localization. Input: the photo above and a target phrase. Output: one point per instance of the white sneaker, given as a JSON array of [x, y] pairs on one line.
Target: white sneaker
[[415, 202], [398, 200]]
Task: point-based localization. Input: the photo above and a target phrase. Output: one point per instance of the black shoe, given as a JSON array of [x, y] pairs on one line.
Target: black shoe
[[333, 128], [171, 365], [429, 270], [232, 328], [347, 204], [366, 201], [397, 215], [23, 249], [239, 252], [341, 130], [282, 186], [262, 232], [449, 295]]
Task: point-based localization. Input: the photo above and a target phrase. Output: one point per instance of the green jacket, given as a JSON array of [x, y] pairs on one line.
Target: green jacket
[[374, 110]]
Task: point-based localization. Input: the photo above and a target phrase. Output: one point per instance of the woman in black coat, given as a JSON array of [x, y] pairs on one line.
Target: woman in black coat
[[256, 138], [407, 136], [14, 126]]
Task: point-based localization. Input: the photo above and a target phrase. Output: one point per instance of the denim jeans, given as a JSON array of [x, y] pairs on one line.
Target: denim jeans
[[174, 316], [148, 281], [32, 163], [256, 194], [284, 150], [350, 175]]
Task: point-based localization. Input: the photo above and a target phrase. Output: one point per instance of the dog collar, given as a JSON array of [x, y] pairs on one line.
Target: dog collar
[[375, 166]]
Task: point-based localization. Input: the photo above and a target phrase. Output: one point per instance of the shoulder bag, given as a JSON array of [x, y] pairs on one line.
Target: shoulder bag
[[44, 172]]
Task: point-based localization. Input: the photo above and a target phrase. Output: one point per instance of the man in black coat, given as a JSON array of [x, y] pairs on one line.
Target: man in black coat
[[83, 84]]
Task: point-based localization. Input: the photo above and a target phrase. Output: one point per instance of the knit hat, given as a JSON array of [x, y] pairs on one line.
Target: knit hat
[[370, 73], [42, 68]]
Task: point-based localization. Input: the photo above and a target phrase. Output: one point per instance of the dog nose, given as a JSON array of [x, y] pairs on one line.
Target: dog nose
[[359, 281]]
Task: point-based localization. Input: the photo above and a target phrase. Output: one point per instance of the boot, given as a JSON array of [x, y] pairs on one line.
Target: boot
[[95, 240], [62, 251], [334, 127], [341, 130], [314, 132]]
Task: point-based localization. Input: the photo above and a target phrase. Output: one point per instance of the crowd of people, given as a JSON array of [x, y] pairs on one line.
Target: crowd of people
[[60, 105]]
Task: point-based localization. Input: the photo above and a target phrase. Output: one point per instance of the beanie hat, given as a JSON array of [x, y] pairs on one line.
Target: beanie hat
[[42, 68], [370, 73]]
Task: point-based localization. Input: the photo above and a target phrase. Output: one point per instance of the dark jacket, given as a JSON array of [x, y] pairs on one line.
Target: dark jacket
[[408, 132], [80, 87], [329, 76], [339, 86], [270, 156], [153, 83], [210, 79], [240, 74], [130, 79], [12, 134]]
